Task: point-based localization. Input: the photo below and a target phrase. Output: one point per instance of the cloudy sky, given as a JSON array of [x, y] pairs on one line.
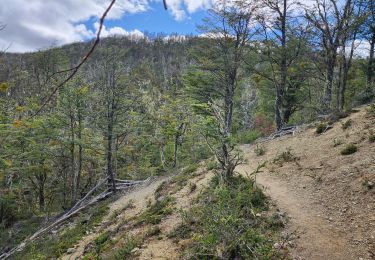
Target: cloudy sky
[[38, 24]]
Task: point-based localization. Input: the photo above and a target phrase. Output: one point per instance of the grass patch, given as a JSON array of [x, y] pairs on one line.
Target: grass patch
[[371, 110], [190, 169], [346, 124], [157, 211], [223, 224], [349, 149], [246, 137], [212, 165], [260, 150], [51, 247], [321, 128], [337, 142], [286, 156], [153, 231], [127, 248], [371, 137]]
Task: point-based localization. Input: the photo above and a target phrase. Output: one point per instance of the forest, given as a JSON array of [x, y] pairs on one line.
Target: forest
[[151, 106]]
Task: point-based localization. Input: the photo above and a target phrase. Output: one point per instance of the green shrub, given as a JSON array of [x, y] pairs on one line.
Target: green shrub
[[247, 137], [337, 142], [212, 165], [190, 168], [8, 211], [349, 149], [371, 137], [153, 231], [260, 150], [101, 242], [156, 212], [125, 251], [224, 224], [371, 110], [286, 156], [321, 128], [52, 247], [347, 124]]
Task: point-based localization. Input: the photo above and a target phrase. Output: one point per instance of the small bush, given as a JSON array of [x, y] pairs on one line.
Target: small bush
[[346, 125], [192, 187], [101, 242], [126, 250], [156, 212], [190, 169], [247, 137], [153, 231], [259, 150], [371, 137], [371, 110], [349, 149], [225, 226], [286, 156], [337, 142], [321, 128], [159, 190], [212, 165]]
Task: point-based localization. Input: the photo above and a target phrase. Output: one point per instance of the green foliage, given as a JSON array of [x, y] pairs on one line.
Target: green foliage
[[346, 124], [246, 137], [224, 225], [349, 149], [259, 150], [8, 211], [285, 156], [101, 242], [130, 242], [337, 142], [55, 246], [321, 128], [156, 212], [212, 165], [371, 137], [371, 110], [153, 231], [190, 169]]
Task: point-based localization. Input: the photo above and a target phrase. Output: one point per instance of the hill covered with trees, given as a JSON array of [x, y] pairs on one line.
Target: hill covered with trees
[[151, 106]]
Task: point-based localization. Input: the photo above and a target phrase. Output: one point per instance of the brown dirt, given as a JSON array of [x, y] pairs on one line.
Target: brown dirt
[[323, 192]]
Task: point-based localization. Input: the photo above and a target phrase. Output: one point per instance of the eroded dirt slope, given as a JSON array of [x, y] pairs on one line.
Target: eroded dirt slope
[[329, 197]]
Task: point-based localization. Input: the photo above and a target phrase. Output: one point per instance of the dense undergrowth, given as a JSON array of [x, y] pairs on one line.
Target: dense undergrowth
[[228, 223], [52, 246]]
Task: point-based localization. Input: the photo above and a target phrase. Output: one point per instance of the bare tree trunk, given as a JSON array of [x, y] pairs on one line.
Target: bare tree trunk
[[283, 70], [110, 173], [371, 63], [180, 131], [331, 60], [72, 157], [80, 153]]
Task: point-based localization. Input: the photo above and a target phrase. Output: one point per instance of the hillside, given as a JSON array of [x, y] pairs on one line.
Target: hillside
[[325, 199], [237, 141], [329, 198]]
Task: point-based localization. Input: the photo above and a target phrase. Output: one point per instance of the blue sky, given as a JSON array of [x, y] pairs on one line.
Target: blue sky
[[157, 20]]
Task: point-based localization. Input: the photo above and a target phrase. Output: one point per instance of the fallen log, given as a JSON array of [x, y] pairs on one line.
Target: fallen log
[[80, 205]]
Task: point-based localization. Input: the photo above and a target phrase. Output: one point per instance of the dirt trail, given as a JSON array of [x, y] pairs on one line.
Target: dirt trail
[[317, 238], [324, 194]]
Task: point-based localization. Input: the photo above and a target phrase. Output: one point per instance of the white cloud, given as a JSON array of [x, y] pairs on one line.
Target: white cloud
[[181, 8], [119, 31], [36, 24]]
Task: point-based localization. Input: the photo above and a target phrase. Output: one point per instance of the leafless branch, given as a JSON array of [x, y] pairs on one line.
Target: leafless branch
[[75, 69]]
